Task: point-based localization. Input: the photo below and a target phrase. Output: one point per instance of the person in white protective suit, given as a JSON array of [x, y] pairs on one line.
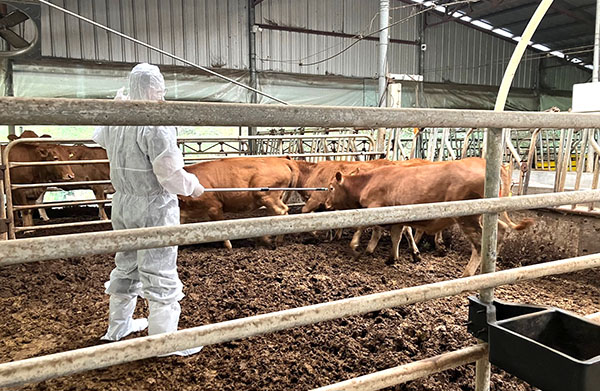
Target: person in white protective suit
[[146, 170]]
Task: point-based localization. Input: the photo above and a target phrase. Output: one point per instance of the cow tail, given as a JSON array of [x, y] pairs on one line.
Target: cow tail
[[523, 224]]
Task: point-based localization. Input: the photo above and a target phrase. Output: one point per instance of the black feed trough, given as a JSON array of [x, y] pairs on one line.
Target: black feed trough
[[547, 347]]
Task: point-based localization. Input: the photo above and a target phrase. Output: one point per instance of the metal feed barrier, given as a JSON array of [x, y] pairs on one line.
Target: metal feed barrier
[[331, 147], [314, 147], [108, 112]]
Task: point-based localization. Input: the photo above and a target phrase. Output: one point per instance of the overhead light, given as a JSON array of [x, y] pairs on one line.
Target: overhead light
[[440, 8], [576, 61], [466, 18], [503, 32], [558, 54], [482, 24], [541, 47], [458, 14], [590, 67]]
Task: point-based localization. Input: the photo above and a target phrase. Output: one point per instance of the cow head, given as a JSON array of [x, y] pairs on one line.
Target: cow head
[[337, 196], [50, 153]]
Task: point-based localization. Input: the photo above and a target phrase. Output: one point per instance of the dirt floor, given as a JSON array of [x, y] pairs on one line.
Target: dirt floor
[[55, 306]]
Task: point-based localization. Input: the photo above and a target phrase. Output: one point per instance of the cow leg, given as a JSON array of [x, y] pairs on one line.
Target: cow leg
[[440, 247], [338, 234], [276, 207], [27, 217], [332, 234], [471, 227], [407, 231], [375, 237], [396, 234], [42, 211], [215, 213], [99, 194], [418, 236], [355, 242]]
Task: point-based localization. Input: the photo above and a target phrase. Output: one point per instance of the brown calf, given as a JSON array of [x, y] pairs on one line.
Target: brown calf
[[429, 183], [236, 173]]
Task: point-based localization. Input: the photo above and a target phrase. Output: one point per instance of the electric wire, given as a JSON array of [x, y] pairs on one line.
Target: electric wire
[[163, 52]]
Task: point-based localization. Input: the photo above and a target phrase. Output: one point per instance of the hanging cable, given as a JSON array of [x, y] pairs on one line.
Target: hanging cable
[[137, 41]]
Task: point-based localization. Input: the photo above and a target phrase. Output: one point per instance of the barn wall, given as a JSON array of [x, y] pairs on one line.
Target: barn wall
[[207, 32], [558, 75], [460, 54], [213, 33], [283, 51]]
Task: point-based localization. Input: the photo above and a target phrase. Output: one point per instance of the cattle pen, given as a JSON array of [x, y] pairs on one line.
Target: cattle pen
[[90, 112]]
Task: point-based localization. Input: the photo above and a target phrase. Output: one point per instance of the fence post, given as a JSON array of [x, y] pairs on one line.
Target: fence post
[[489, 237]]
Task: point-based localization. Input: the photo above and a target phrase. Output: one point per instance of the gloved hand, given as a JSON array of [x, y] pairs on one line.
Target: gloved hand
[[198, 191], [120, 95]]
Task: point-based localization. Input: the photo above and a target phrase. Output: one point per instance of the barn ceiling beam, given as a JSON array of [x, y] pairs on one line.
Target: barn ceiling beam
[[329, 33], [500, 13]]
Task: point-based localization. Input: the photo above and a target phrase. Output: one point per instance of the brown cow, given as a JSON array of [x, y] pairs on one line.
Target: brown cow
[[436, 182], [320, 175], [25, 152], [236, 173], [91, 172]]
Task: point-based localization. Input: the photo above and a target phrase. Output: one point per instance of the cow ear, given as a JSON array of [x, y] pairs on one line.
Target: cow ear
[[12, 137], [355, 172], [45, 136], [43, 152], [339, 177]]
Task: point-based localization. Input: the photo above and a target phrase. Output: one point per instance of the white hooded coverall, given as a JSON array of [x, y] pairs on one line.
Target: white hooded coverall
[[146, 170]]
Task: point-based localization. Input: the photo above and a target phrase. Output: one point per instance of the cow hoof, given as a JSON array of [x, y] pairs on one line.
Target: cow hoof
[[390, 261], [354, 253], [416, 257], [441, 252]]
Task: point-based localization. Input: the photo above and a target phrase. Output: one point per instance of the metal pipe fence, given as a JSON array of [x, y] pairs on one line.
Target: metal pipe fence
[[366, 152], [87, 112], [65, 246], [74, 361]]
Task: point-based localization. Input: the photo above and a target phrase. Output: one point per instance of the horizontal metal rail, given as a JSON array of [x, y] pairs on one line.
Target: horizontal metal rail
[[291, 155], [234, 189], [57, 163], [417, 369], [59, 184], [61, 204], [273, 137], [37, 249], [412, 371], [41, 111], [74, 361], [62, 225]]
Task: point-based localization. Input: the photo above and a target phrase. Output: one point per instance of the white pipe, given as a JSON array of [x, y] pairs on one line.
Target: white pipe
[[384, 22], [490, 223], [511, 69]]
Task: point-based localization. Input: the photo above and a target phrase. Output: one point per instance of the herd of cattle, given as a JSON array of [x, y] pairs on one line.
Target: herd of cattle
[[351, 185]]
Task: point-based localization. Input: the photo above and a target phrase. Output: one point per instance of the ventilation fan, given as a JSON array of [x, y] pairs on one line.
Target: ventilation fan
[[19, 29]]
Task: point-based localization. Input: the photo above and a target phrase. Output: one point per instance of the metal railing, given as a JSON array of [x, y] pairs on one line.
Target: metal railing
[[106, 113], [314, 147], [336, 147]]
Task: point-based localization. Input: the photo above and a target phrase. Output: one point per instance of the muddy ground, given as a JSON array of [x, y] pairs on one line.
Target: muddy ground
[[59, 305]]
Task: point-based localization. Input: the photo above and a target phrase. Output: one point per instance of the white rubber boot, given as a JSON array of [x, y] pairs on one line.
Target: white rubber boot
[[120, 319], [164, 318]]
